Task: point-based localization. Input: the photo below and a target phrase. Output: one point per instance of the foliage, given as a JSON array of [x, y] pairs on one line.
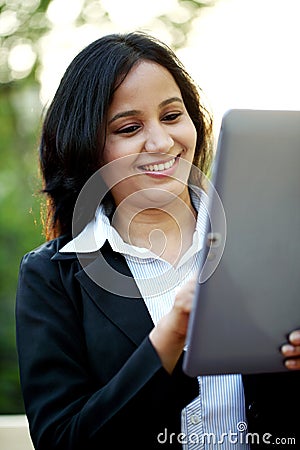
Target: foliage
[[23, 24]]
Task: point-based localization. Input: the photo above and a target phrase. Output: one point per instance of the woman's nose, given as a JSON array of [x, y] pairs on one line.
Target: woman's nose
[[158, 139]]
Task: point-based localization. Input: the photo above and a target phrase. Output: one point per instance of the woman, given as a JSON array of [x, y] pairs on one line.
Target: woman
[[102, 318]]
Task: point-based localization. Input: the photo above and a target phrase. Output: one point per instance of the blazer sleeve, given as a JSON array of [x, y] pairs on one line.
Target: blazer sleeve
[[66, 407]]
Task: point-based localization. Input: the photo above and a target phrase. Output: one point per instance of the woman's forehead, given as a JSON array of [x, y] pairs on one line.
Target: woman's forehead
[[147, 79]]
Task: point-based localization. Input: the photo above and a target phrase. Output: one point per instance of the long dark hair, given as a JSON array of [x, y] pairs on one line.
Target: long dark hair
[[73, 132]]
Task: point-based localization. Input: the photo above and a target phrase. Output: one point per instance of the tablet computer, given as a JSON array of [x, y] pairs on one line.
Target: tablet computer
[[248, 295]]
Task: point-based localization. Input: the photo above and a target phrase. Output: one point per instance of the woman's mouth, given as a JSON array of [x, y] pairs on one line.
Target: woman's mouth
[[160, 167]]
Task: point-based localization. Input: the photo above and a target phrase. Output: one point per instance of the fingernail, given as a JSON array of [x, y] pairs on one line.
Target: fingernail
[[286, 348], [295, 335], [290, 363]]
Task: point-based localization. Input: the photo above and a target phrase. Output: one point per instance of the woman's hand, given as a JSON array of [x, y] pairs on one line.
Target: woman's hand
[[291, 351], [169, 335]]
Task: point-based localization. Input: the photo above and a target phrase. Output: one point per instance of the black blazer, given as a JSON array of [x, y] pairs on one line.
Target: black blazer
[[89, 375]]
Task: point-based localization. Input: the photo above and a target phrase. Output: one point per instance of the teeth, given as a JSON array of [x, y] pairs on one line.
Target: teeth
[[159, 167]]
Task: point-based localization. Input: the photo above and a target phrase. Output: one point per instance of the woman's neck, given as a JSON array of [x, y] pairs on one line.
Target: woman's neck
[[167, 232]]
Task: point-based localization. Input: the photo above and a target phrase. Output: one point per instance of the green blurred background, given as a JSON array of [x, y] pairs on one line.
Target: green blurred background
[[23, 26]]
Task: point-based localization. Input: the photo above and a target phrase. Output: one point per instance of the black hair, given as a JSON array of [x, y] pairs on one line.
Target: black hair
[[74, 127]]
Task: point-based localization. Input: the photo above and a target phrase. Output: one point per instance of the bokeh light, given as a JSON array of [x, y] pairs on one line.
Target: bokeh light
[[243, 53]]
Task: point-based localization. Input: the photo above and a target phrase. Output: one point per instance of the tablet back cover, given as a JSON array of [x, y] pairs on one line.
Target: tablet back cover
[[246, 305]]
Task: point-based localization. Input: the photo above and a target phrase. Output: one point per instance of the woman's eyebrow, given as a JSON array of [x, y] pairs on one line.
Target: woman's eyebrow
[[135, 112], [170, 100], [132, 112]]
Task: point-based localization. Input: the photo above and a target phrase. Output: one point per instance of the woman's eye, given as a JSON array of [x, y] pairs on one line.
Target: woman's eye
[[128, 130], [171, 117]]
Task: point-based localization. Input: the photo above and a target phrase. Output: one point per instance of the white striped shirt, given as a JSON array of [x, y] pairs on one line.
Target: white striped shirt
[[215, 418]]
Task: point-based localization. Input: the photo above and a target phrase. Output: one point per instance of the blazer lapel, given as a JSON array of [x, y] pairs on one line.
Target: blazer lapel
[[109, 283]]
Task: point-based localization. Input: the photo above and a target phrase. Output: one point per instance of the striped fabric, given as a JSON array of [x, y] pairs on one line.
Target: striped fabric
[[216, 419]]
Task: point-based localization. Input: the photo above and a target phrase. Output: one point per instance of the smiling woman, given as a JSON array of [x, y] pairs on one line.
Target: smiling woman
[[156, 139], [155, 129], [93, 122], [102, 313]]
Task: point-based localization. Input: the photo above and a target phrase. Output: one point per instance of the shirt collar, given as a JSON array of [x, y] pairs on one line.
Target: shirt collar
[[96, 232]]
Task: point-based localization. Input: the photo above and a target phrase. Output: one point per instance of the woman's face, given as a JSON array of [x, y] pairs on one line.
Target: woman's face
[[151, 139]]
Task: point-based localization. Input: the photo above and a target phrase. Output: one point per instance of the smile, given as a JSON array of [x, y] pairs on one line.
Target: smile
[[159, 167]]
